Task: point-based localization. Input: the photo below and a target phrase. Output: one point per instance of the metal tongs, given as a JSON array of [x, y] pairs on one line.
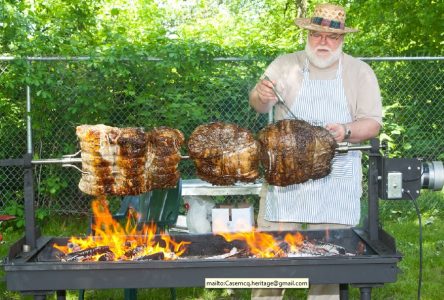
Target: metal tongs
[[281, 100]]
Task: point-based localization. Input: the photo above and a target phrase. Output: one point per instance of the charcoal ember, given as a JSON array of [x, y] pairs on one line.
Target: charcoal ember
[[128, 161], [293, 151], [284, 249], [234, 252], [332, 248], [318, 248], [73, 247], [224, 153]]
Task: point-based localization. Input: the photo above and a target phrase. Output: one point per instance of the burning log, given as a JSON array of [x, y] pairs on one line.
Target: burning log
[[134, 252], [154, 256], [86, 254], [284, 248]]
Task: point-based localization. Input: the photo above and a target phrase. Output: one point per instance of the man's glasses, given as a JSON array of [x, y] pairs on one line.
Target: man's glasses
[[333, 37]]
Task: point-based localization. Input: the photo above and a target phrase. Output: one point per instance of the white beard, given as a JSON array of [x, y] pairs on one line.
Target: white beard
[[323, 62]]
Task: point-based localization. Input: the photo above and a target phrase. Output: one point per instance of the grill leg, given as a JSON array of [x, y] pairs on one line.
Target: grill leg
[[366, 293], [173, 293], [130, 294], [343, 291], [81, 294], [61, 295]]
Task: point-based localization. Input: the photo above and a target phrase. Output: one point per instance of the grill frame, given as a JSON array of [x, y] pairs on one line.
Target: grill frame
[[369, 270]]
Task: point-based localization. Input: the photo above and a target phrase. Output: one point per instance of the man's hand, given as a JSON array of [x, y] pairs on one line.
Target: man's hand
[[361, 130], [262, 97], [337, 131], [265, 92]]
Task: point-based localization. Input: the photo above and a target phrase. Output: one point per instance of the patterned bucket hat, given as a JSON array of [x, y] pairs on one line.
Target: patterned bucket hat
[[326, 18]]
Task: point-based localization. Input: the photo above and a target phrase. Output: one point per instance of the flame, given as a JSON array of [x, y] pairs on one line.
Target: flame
[[294, 241], [264, 245], [125, 242]]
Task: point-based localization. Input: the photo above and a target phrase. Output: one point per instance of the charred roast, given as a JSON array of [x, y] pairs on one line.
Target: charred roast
[[128, 161], [293, 151], [224, 153], [164, 157]]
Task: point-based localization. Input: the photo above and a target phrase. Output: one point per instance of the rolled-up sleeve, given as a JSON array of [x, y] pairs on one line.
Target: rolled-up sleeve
[[368, 95]]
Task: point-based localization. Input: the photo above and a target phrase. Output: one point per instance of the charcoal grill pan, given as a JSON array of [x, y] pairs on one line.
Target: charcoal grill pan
[[37, 271]]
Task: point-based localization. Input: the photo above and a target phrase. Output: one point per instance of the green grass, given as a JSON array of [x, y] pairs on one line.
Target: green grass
[[398, 219]]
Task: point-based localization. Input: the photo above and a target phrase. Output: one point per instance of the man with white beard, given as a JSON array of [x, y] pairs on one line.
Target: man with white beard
[[323, 86]]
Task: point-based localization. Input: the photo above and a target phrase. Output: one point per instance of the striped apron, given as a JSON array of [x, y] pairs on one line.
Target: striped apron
[[336, 197]]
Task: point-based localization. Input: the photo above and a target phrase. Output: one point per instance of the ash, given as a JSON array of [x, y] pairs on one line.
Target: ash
[[317, 248]]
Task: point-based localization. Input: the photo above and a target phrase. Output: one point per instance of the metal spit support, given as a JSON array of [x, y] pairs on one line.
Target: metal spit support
[[375, 158], [345, 147], [69, 161]]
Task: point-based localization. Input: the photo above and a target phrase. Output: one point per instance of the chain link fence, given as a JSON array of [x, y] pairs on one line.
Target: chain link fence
[[67, 92]]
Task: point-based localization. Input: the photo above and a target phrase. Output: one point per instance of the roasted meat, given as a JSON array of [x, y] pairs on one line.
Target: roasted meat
[[128, 161], [164, 156], [293, 151], [224, 153]]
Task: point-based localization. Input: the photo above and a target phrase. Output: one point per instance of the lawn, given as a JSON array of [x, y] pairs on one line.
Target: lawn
[[398, 218]]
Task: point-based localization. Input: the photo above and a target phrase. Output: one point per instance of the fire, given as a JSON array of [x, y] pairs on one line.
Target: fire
[[124, 242], [264, 245], [294, 241]]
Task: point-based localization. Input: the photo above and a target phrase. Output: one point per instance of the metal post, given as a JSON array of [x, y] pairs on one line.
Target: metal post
[[28, 121], [30, 229], [373, 203]]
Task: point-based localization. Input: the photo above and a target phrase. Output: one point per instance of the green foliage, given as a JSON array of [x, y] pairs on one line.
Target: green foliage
[[413, 122], [212, 27], [52, 185], [391, 28], [17, 210], [153, 63]]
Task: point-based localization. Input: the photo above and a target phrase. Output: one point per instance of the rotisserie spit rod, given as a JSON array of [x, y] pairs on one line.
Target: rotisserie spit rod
[[71, 159]]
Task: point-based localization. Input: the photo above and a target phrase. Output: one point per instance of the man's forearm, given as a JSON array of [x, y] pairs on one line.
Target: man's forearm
[[362, 130]]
